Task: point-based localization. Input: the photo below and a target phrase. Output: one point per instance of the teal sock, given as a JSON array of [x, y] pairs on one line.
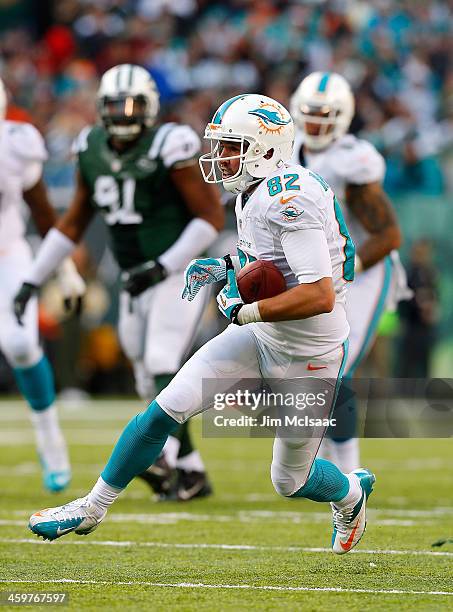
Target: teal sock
[[37, 384], [138, 446], [325, 484]]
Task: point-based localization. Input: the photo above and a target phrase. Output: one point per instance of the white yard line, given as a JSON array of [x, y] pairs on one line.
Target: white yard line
[[246, 587], [173, 518], [239, 547]]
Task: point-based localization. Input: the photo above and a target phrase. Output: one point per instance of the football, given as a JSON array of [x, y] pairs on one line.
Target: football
[[259, 280]]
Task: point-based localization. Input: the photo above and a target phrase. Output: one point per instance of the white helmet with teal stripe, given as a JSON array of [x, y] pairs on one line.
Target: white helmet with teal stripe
[[127, 101], [263, 128], [324, 99]]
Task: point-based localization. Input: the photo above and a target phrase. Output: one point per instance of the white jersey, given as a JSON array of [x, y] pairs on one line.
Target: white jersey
[[22, 153], [293, 199], [348, 160]]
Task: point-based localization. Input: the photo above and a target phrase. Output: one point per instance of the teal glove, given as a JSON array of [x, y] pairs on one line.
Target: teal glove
[[202, 272], [229, 299]]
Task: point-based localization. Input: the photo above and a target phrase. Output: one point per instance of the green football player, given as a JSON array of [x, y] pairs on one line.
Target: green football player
[[144, 178]]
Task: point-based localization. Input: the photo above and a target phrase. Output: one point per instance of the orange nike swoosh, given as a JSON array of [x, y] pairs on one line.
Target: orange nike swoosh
[[312, 368], [286, 200], [348, 544]]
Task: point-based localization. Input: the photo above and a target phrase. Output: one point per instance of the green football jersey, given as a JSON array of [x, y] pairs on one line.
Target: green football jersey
[[133, 190]]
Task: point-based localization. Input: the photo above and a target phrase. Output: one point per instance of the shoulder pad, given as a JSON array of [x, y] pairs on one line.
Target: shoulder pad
[[25, 141], [181, 143], [364, 164]]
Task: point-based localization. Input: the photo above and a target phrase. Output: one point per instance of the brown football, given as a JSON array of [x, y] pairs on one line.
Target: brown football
[[259, 280]]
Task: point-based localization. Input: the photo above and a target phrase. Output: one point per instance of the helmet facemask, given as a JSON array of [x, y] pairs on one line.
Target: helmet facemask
[[250, 152], [125, 116], [329, 121]]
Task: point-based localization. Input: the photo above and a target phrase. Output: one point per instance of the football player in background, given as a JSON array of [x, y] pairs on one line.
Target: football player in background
[[22, 154], [145, 181], [290, 216], [322, 108]]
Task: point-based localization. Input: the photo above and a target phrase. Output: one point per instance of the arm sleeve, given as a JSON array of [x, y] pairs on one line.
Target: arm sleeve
[[196, 237], [180, 145], [307, 254], [54, 248]]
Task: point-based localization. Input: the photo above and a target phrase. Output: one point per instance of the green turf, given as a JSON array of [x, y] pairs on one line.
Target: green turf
[[409, 510]]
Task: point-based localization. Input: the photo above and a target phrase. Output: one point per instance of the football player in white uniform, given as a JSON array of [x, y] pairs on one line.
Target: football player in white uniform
[[287, 215], [22, 154], [143, 177], [322, 108]]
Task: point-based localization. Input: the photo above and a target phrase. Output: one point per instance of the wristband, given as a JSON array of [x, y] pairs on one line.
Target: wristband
[[249, 313]]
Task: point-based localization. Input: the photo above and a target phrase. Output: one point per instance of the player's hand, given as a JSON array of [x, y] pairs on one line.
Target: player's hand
[[138, 279], [229, 299], [21, 299], [201, 272], [72, 286]]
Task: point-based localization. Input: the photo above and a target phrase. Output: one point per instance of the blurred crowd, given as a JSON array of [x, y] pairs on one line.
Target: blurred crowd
[[397, 54]]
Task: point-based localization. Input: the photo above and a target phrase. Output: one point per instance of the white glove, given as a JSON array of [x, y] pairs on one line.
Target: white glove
[[71, 284]]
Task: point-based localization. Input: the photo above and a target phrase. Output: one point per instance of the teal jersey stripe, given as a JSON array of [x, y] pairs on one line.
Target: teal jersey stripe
[[349, 247], [378, 311], [225, 106], [323, 82]]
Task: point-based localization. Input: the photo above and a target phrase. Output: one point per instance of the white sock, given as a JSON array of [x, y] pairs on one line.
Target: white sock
[[347, 454], [50, 442], [354, 493], [171, 450], [102, 495], [191, 462]]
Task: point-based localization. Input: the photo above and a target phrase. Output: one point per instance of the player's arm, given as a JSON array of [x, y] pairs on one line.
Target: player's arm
[[58, 244], [201, 199], [301, 302], [314, 295], [41, 210], [307, 253], [373, 209]]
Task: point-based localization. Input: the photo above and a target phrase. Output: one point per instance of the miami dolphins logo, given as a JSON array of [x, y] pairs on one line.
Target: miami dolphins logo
[[270, 117], [291, 213]]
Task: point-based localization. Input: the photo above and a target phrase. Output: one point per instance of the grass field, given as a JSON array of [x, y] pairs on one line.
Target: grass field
[[243, 548]]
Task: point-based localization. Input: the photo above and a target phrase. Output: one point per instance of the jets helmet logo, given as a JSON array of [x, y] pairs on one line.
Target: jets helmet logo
[[270, 117]]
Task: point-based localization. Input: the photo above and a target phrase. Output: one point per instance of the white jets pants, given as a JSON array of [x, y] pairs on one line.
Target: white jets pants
[[157, 329]]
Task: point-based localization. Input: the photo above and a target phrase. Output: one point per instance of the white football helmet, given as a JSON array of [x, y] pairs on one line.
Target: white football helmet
[[326, 99], [3, 101], [260, 124], [127, 101]]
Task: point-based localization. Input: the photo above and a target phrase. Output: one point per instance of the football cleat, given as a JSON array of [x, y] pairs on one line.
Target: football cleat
[[159, 476], [349, 523], [189, 485], [56, 481], [79, 516]]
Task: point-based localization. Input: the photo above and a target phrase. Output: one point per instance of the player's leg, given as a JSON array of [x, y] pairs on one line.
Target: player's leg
[[132, 333], [366, 301], [34, 377], [172, 325], [296, 472], [231, 356]]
